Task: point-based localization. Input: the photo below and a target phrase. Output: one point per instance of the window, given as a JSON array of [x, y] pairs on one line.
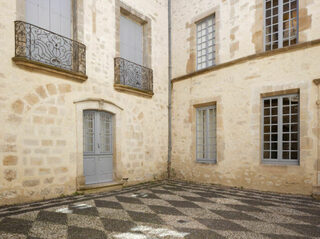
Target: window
[[131, 40], [206, 43], [281, 23], [206, 134], [280, 129]]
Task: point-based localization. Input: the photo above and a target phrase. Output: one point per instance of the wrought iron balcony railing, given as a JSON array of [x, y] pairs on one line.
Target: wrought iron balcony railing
[[132, 75], [39, 45]]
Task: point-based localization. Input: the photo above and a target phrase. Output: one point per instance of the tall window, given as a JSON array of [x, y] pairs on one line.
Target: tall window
[[131, 40], [281, 23], [280, 129], [206, 43], [206, 134]]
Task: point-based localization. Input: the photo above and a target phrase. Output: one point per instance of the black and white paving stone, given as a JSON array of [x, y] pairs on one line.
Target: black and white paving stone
[[167, 209]]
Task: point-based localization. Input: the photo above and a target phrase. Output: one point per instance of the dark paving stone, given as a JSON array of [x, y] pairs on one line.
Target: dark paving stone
[[54, 217], [129, 200], [159, 191], [145, 217], [85, 233], [256, 202], [315, 220], [223, 225], [165, 210], [114, 225], [304, 229], [18, 226], [33, 238], [185, 204], [200, 234], [210, 195], [196, 199], [231, 215], [312, 211], [245, 208], [108, 204], [91, 211], [172, 188]]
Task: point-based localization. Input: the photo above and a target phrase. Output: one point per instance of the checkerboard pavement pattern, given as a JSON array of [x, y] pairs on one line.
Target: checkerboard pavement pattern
[[167, 209]]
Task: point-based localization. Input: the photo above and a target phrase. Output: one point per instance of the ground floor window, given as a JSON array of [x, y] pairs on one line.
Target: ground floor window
[[280, 131], [206, 134]]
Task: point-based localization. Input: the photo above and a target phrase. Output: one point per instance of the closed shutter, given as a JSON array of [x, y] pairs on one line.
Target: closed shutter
[[52, 15], [131, 40]]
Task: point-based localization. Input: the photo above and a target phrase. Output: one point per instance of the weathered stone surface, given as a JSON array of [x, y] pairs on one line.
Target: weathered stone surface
[[31, 183], [10, 174], [10, 160], [18, 106]]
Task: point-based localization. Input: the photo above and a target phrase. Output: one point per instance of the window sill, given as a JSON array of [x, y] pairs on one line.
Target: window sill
[[129, 89], [280, 162], [206, 161], [20, 61]]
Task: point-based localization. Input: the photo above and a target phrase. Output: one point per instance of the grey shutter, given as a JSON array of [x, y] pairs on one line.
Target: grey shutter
[[52, 15], [131, 40], [37, 13]]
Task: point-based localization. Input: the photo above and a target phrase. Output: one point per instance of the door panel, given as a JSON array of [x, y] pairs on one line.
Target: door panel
[[97, 145]]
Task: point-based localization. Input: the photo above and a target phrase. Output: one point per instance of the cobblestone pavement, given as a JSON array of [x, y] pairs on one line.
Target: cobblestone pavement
[[166, 209]]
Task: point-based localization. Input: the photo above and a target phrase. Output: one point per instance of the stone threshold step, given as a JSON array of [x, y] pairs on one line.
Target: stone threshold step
[[100, 187]]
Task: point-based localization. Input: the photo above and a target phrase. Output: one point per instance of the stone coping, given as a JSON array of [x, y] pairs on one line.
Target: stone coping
[[21, 61], [241, 60], [133, 90]]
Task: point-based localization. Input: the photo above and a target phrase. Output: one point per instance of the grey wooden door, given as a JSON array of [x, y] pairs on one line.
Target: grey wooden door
[[97, 144]]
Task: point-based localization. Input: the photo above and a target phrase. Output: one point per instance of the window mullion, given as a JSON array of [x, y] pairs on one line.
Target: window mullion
[[280, 24], [207, 42], [207, 135], [280, 126]]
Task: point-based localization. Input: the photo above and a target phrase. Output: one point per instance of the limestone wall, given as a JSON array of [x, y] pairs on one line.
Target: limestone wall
[[41, 116], [237, 91], [239, 29]]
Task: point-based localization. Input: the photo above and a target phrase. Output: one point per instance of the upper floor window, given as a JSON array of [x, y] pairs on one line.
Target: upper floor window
[[131, 40], [206, 43], [280, 120], [206, 134], [281, 23]]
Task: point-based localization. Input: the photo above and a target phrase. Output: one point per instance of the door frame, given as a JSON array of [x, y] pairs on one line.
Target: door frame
[[97, 105]]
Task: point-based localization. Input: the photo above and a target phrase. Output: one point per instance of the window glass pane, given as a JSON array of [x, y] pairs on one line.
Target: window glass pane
[[288, 21], [281, 137], [206, 133], [206, 32], [88, 131]]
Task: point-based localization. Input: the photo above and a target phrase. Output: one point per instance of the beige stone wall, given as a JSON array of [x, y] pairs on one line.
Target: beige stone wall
[[237, 91], [41, 116], [239, 29]]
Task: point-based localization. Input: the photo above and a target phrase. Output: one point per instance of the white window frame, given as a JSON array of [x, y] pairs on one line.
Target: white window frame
[[280, 35], [206, 159], [279, 160], [213, 40]]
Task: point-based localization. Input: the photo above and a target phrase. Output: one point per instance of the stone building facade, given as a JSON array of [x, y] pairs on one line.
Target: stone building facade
[[245, 73], [106, 88], [42, 107]]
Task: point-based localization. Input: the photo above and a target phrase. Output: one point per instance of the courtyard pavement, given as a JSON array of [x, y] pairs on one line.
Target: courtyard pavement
[[167, 209]]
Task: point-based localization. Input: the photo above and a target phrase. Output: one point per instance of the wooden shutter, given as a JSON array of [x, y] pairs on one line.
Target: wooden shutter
[[52, 15], [131, 40]]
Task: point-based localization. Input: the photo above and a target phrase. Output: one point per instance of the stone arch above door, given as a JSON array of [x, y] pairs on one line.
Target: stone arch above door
[[99, 105]]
